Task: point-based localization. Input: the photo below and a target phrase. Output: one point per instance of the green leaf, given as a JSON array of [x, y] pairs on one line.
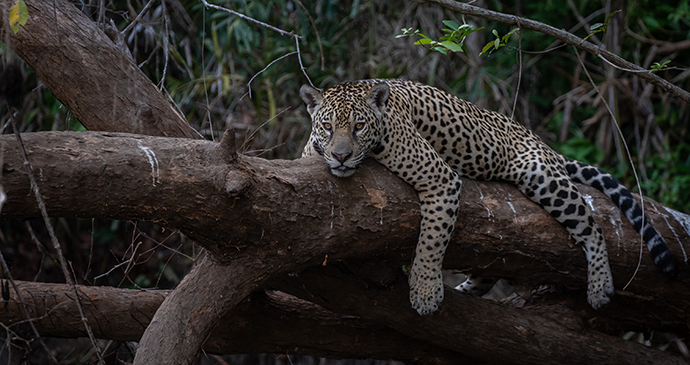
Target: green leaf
[[506, 37], [472, 31], [495, 32], [19, 15], [486, 48], [423, 41], [596, 26], [509, 34], [451, 24], [440, 49], [497, 43], [452, 46], [657, 66]]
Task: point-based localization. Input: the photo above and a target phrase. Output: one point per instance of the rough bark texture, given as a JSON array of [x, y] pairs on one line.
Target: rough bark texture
[[291, 215], [85, 71], [124, 314]]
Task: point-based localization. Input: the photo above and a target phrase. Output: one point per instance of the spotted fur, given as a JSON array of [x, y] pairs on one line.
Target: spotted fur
[[430, 139]]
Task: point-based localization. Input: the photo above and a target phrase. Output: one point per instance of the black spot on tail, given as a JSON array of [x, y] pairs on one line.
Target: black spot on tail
[[609, 185]]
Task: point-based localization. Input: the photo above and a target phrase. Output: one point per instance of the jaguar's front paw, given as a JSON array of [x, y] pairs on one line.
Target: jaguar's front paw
[[599, 290], [425, 292]]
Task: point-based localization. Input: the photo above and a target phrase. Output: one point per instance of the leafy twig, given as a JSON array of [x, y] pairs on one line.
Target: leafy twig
[[600, 27], [500, 41], [452, 41], [565, 37]]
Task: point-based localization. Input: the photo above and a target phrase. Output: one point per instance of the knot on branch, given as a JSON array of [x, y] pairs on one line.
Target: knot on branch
[[227, 148], [236, 184]]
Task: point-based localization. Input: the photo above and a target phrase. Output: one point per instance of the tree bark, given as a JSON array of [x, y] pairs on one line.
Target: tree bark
[[296, 326]]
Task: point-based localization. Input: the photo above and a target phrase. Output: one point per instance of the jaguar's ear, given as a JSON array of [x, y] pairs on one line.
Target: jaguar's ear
[[378, 97], [311, 97]]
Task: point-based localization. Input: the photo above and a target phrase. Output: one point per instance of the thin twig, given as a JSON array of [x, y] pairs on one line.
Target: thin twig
[[203, 73], [318, 36], [88, 266], [249, 84], [40, 247], [251, 136], [53, 238], [517, 89], [24, 308], [632, 165], [637, 71], [280, 31], [138, 18], [301, 66], [242, 16], [166, 35]]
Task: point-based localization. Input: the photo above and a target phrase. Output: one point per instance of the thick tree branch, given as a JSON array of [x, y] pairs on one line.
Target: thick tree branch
[[124, 314], [565, 37], [287, 215], [85, 71]]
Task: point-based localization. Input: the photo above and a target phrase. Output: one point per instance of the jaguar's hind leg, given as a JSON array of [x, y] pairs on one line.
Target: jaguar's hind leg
[[556, 193]]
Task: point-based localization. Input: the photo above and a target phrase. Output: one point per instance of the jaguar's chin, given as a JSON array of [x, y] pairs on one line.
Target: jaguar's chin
[[343, 171]]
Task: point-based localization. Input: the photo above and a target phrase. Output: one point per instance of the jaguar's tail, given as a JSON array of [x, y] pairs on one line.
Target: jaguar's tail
[[609, 185]]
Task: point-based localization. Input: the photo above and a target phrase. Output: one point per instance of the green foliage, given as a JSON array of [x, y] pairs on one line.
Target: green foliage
[[500, 41], [656, 66], [600, 27], [669, 177], [452, 41]]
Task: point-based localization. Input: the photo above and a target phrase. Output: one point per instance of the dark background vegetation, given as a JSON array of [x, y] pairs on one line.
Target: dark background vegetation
[[213, 55]]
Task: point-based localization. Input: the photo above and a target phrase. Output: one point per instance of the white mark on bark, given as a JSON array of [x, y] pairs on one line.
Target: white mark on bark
[[512, 208], [155, 172], [684, 221], [481, 199], [615, 219]]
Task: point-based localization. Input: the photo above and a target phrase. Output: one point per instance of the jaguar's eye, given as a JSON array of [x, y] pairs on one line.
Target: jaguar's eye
[[327, 126], [359, 126]]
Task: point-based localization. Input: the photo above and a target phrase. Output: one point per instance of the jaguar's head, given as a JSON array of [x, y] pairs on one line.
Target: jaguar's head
[[346, 122]]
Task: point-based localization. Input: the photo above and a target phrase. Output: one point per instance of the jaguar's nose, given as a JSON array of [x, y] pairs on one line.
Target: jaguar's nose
[[341, 157]]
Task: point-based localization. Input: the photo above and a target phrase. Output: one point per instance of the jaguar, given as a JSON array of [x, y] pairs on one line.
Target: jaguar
[[431, 139]]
